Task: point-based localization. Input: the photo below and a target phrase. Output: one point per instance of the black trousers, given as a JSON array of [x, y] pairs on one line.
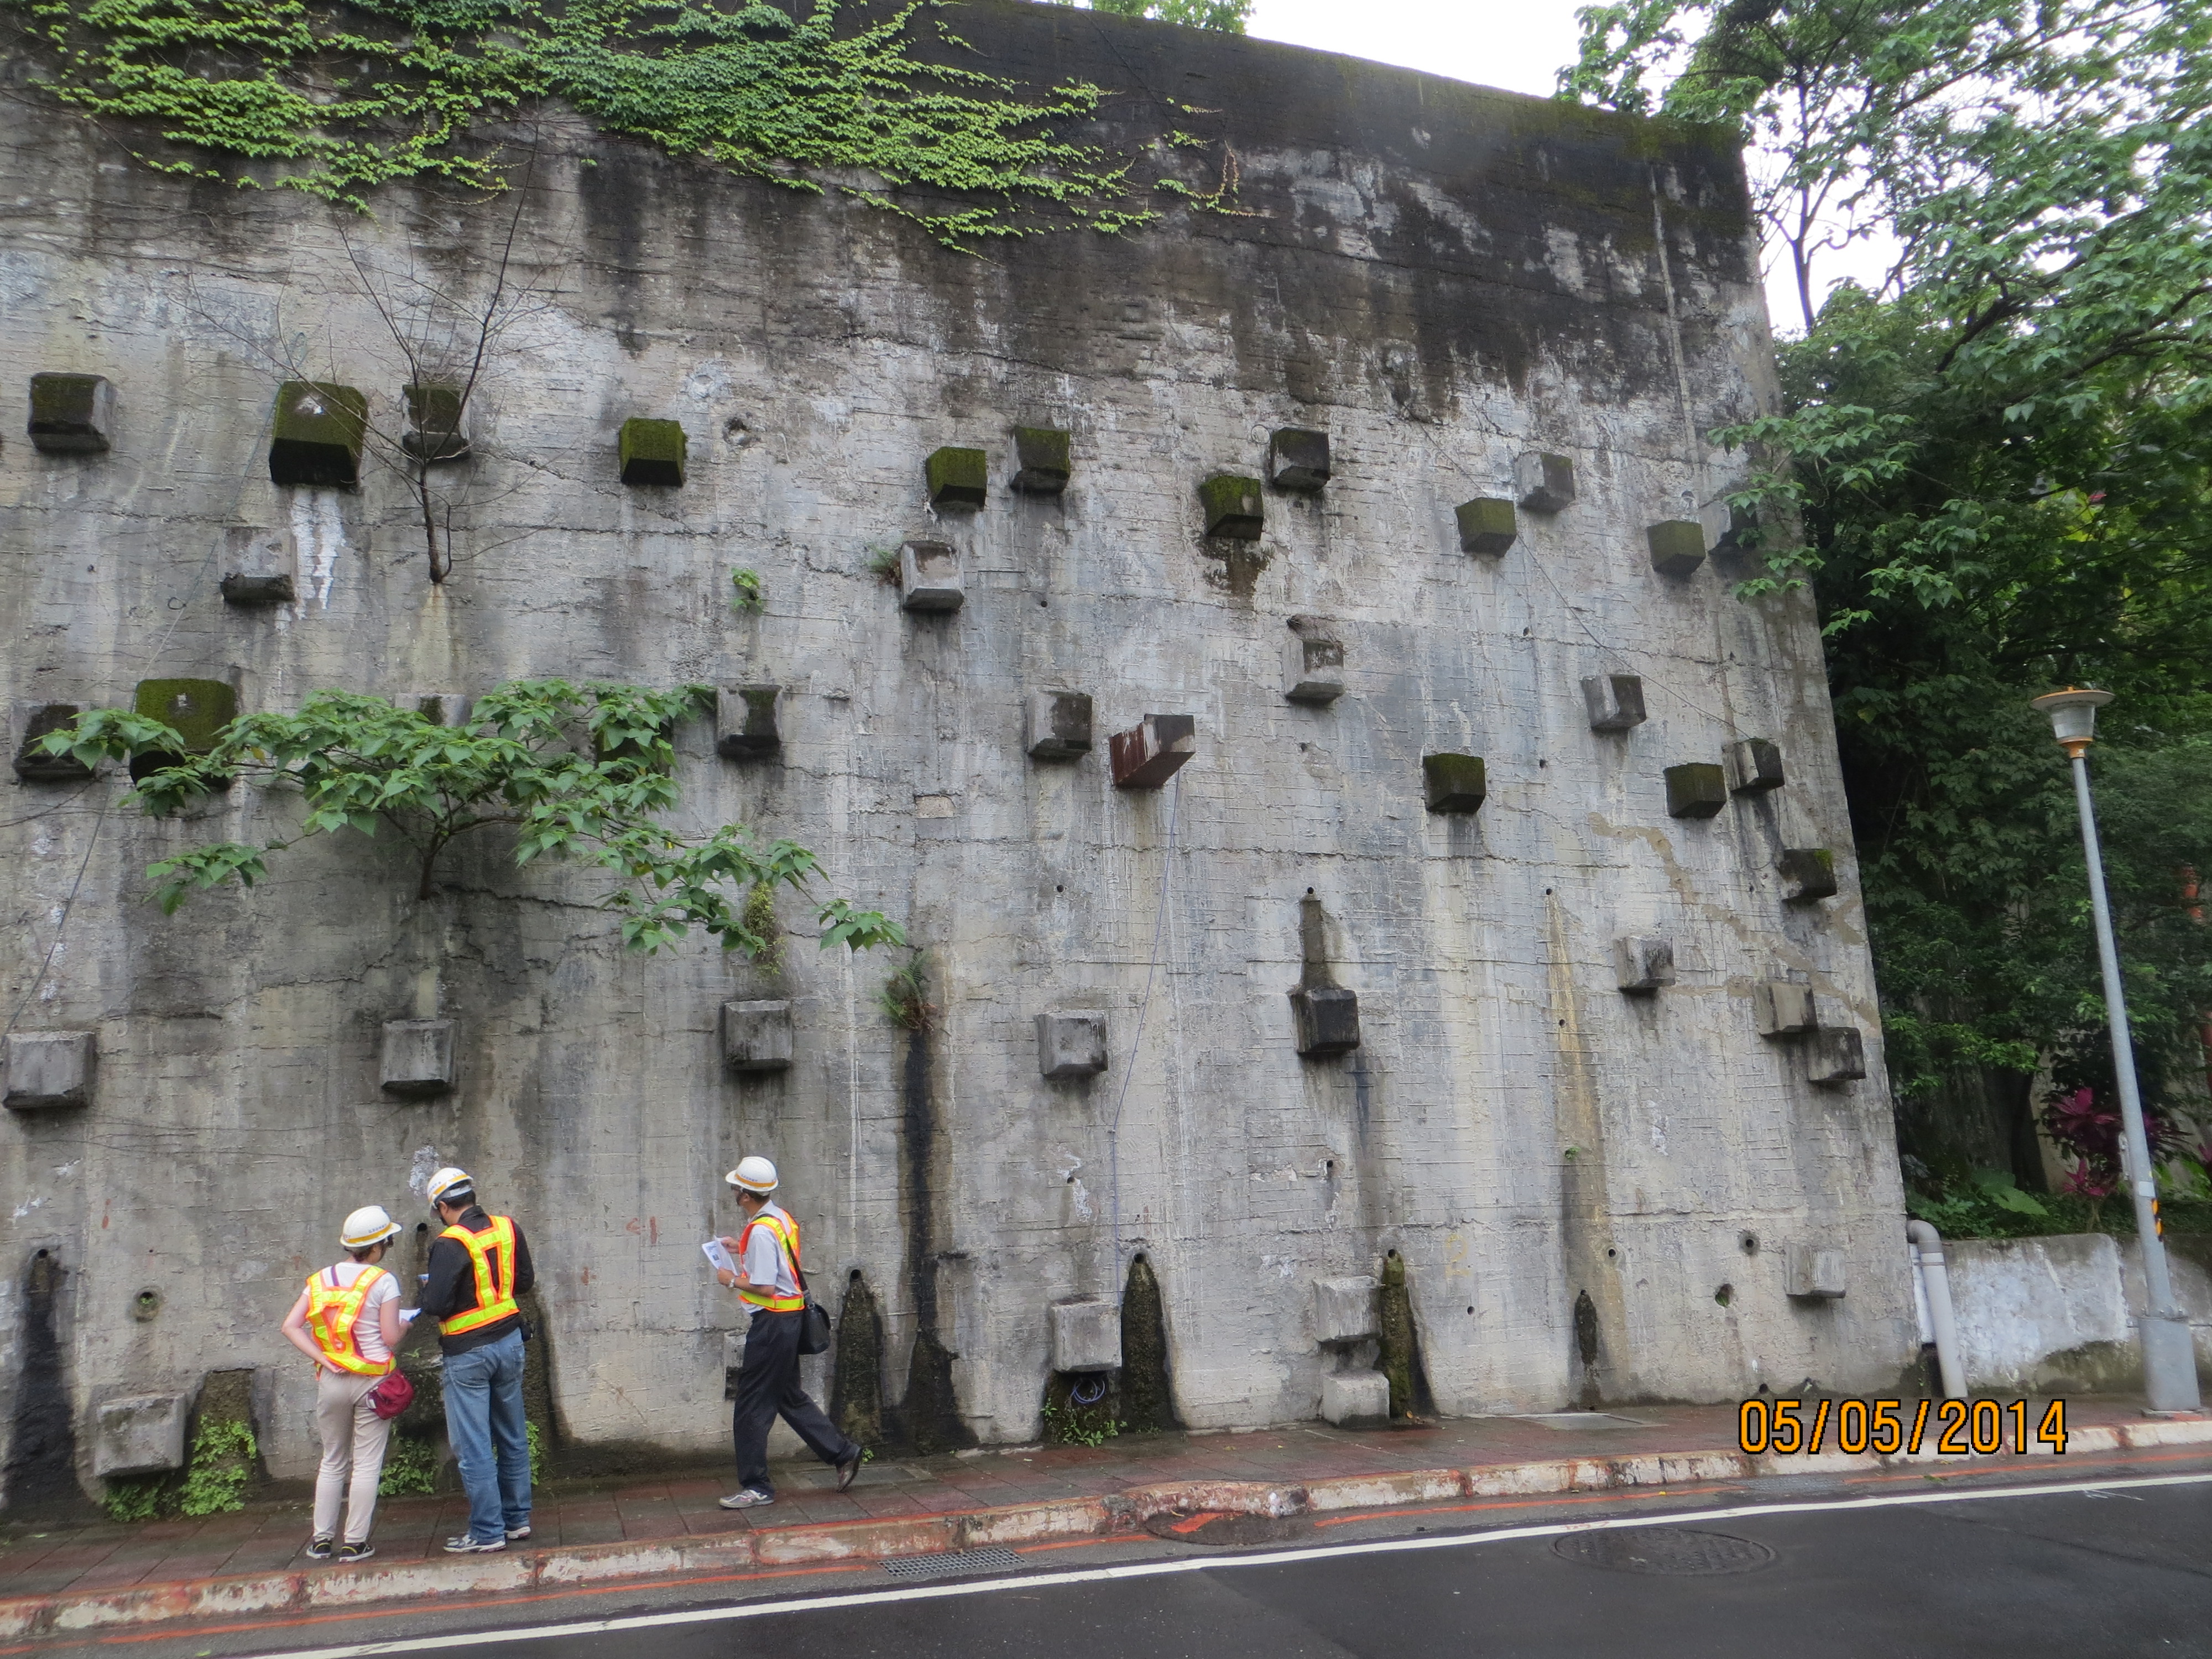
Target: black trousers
[[768, 1387]]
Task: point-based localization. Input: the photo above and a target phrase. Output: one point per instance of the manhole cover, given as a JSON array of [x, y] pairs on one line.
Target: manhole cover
[[991, 1558], [1675, 1550], [1220, 1527]]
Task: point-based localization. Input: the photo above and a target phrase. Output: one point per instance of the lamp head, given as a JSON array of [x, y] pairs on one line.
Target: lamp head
[[2073, 715]]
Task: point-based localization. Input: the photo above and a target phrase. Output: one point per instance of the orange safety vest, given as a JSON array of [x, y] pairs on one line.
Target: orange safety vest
[[786, 1233], [331, 1310], [495, 1284]]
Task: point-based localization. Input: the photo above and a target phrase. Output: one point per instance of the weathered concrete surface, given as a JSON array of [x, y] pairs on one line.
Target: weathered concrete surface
[[1441, 278], [2057, 1314]]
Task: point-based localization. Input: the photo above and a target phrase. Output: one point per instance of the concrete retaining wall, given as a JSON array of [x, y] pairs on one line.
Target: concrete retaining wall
[[2056, 1315]]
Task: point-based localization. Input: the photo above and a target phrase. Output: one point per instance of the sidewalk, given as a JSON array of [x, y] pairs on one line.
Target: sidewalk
[[83, 1579]]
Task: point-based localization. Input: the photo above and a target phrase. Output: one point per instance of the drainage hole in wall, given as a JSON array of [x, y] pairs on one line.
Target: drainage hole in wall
[[145, 1304], [1611, 1254], [1470, 1310], [1750, 1243], [1725, 1295]]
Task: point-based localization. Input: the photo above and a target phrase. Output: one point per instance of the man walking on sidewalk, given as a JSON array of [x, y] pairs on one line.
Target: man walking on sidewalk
[[478, 1266], [766, 1251]]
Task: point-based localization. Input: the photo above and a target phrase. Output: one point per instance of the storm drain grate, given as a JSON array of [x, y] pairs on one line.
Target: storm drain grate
[[991, 1558], [1670, 1550]]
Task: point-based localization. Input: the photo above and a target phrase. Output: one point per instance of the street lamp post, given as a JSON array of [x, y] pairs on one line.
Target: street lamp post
[[2169, 1356]]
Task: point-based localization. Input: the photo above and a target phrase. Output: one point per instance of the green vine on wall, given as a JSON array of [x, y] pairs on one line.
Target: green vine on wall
[[345, 95]]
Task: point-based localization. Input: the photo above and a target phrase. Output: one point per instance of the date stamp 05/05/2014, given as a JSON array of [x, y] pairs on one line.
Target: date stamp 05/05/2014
[[1951, 1428]]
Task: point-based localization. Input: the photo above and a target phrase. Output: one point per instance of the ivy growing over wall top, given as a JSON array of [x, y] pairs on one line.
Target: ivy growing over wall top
[[345, 95]]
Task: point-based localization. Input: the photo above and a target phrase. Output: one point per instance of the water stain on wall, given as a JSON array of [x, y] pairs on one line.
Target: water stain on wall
[[41, 1468]]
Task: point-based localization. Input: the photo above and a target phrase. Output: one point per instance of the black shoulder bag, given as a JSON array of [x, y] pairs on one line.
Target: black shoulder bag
[[813, 1318]]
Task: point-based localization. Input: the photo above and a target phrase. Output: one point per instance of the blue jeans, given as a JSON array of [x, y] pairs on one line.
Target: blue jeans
[[483, 1420]]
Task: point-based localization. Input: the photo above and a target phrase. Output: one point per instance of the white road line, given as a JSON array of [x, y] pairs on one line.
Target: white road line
[[1219, 1562]]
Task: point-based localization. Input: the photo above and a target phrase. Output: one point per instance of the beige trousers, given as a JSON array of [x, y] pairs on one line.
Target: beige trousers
[[352, 1434]]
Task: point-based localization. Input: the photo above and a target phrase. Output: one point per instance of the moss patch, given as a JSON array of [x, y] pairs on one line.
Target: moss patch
[[1147, 1396], [1454, 783], [1696, 791], [958, 478], [316, 437], [1487, 525], [1678, 546], [1234, 506], [652, 452], [1042, 461], [856, 1385]]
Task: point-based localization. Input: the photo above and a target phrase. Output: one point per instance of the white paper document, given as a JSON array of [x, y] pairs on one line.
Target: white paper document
[[717, 1253]]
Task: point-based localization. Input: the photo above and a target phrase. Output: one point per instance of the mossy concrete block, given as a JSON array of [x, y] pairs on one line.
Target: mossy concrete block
[[1488, 525], [1297, 459], [1809, 874], [756, 1036], [1072, 1044], [38, 721], [1642, 965], [1351, 1400], [1754, 766], [1544, 484], [744, 723], [1344, 1311], [1454, 783], [1696, 791], [652, 452], [197, 709], [1615, 702], [418, 1058], [1056, 725], [1313, 661], [46, 1070], [1678, 546], [1834, 1055], [1326, 1020], [140, 1434], [958, 478], [434, 432], [1086, 1334], [1042, 460], [258, 566], [316, 436], [1153, 750], [1235, 508], [1782, 1007], [72, 414]]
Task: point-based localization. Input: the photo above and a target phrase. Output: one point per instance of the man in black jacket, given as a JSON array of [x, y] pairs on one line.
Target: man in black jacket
[[478, 1266]]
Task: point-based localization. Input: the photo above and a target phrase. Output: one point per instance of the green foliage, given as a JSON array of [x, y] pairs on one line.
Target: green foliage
[[344, 95], [883, 563], [223, 1463], [139, 1497], [536, 1452], [573, 772], [760, 921], [1227, 16], [904, 998], [1079, 1426], [411, 1468], [746, 597]]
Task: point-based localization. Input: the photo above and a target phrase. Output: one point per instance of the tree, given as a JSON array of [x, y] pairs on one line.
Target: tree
[[1227, 16], [577, 772]]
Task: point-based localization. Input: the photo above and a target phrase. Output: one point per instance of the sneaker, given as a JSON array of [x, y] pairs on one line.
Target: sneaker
[[318, 1549], [355, 1552], [467, 1545], [850, 1467], [750, 1499], [516, 1534]]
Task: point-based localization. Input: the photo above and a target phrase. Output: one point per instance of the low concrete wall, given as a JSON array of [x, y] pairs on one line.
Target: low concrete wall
[[2057, 1314]]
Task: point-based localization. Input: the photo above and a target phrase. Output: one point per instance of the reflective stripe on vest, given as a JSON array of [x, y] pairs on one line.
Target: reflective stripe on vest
[[331, 1310], [785, 1232], [495, 1288]]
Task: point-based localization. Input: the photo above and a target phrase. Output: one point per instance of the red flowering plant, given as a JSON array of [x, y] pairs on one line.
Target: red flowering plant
[[2089, 1131]]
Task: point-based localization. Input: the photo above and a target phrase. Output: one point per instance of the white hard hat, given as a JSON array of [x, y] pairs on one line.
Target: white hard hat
[[752, 1175], [447, 1179], [367, 1225]]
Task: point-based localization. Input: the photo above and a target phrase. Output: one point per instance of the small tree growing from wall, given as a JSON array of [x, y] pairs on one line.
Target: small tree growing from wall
[[576, 772]]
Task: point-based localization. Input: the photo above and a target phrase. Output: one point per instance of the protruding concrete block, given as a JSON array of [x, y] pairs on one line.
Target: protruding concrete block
[[1678, 546], [435, 429], [49, 1069], [1782, 1007], [36, 721], [1487, 523], [652, 452], [1087, 1335], [1729, 529], [1754, 766], [316, 435], [1354, 1399], [1042, 460], [1328, 1020], [1151, 752], [1545, 484], [197, 709], [445, 708], [1454, 783], [1313, 661], [756, 1036], [1056, 725], [1813, 1272], [1615, 702], [1345, 1310], [1834, 1056], [1234, 506], [1643, 964], [257, 566], [1809, 874], [958, 478], [744, 723], [1696, 791], [142, 1434], [929, 576], [1071, 1045], [418, 1058], [71, 414], [1297, 458]]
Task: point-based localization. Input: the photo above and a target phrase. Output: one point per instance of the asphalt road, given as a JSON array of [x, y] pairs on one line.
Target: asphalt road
[[2079, 1573]]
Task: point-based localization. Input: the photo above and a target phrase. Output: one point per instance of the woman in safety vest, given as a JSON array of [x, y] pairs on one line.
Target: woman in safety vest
[[347, 1320]]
